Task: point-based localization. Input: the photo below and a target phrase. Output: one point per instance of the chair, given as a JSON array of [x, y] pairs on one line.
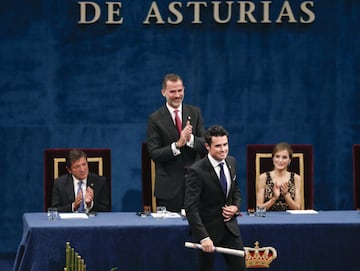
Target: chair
[[356, 172], [99, 161], [148, 180], [259, 160]]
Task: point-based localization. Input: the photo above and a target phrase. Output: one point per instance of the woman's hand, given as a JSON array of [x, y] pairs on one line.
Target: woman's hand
[[276, 191], [284, 188]]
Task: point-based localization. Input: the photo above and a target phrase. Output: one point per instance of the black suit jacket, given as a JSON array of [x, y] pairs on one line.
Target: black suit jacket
[[204, 199], [161, 133], [64, 195]]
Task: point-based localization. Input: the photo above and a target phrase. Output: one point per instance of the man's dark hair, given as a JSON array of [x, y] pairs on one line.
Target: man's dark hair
[[215, 130], [171, 77], [73, 156]]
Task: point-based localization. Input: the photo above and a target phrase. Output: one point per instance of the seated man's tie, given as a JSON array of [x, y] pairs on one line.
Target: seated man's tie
[[81, 208]]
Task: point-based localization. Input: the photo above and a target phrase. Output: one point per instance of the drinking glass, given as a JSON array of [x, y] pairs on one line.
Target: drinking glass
[[52, 214]]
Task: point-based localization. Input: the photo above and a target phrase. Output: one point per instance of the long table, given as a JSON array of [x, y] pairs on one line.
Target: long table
[[327, 240]]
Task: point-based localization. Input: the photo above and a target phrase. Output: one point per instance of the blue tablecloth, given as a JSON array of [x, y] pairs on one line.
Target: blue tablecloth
[[323, 241]]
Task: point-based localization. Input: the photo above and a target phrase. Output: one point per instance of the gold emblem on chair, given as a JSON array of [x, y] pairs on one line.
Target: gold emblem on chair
[[259, 257]]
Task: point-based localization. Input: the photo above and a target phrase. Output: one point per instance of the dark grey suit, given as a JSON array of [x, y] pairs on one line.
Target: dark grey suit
[[63, 193], [204, 199], [170, 169]]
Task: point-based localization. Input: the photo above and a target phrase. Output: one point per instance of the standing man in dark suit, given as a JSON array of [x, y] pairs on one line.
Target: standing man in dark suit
[[212, 202], [80, 191], [175, 141]]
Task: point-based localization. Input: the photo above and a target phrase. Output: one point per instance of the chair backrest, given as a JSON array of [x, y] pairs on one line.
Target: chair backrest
[[259, 160], [148, 179], [99, 161], [356, 173]]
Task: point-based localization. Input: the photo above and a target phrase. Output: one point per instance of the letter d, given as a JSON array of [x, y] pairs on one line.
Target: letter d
[[97, 12]]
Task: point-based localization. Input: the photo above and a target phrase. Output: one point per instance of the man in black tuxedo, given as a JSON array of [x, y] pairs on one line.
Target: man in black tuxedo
[[80, 191], [212, 202], [175, 141]]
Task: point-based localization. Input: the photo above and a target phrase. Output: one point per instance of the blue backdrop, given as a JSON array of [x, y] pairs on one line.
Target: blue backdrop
[[65, 84]]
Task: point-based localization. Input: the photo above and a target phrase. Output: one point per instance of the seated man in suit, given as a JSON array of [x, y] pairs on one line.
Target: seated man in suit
[[80, 191]]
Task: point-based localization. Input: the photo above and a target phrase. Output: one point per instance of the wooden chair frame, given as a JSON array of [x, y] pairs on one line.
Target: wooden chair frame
[[148, 180], [356, 173]]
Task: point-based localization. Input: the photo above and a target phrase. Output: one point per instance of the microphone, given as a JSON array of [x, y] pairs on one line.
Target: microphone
[[189, 119]]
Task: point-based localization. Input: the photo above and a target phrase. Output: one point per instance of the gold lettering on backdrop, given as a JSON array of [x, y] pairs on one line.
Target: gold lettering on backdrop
[[112, 11], [266, 12], [197, 10], [246, 12], [96, 9], [223, 12], [154, 13], [311, 16], [217, 11], [178, 15], [286, 12]]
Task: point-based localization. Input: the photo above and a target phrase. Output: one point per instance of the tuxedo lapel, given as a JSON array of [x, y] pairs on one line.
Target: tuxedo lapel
[[231, 169], [214, 177], [232, 175], [168, 122], [69, 188], [185, 114]]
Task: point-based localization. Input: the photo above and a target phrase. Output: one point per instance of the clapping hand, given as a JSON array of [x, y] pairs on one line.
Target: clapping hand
[[89, 195], [276, 191], [188, 130], [284, 188], [78, 200], [185, 135]]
